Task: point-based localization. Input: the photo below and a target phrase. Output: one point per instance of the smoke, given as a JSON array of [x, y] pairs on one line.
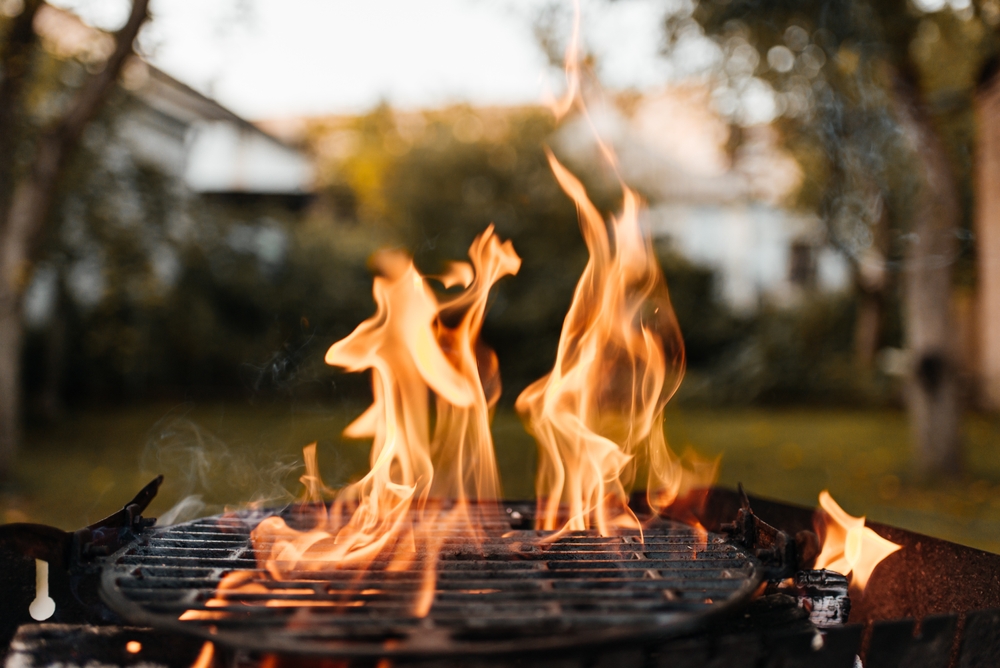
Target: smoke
[[188, 508], [208, 475], [288, 367]]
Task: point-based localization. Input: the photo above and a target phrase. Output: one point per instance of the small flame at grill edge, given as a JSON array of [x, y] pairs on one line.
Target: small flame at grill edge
[[849, 547]]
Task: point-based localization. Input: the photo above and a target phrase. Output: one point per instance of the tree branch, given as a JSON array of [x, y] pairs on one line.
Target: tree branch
[[90, 98], [33, 194]]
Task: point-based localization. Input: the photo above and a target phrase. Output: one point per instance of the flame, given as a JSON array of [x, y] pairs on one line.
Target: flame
[[416, 347], [598, 416], [599, 412], [205, 656], [848, 545], [571, 64]]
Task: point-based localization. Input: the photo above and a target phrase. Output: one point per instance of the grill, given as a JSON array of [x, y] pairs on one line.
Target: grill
[[617, 602], [512, 593]]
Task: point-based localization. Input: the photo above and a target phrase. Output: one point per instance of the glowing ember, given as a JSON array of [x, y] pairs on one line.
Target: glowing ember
[[848, 545]]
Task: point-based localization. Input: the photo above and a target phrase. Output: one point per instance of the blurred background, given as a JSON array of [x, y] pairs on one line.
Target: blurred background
[[823, 189]]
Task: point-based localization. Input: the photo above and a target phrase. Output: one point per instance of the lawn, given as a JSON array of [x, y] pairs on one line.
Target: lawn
[[87, 466]]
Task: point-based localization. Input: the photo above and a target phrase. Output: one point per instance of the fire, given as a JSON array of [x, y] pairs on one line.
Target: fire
[[205, 656], [848, 545], [599, 413], [598, 416], [422, 480]]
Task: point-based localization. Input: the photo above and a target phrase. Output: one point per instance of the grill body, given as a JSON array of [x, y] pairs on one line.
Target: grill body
[[516, 591], [931, 605]]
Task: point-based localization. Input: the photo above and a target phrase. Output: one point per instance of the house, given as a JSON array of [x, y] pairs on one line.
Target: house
[[183, 132], [201, 148], [727, 213]]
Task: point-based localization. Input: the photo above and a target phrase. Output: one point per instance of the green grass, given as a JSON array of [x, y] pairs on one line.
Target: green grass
[[862, 457], [87, 466]]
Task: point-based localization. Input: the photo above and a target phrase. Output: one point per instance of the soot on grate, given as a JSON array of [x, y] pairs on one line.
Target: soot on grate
[[512, 593]]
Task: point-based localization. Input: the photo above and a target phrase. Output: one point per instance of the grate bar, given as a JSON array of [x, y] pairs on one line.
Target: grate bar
[[517, 590]]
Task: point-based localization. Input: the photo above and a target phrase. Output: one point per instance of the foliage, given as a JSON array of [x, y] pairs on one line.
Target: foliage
[[206, 295], [160, 291], [833, 66], [435, 180], [798, 356]]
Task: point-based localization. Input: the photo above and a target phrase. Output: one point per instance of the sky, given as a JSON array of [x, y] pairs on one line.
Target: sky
[[276, 58]]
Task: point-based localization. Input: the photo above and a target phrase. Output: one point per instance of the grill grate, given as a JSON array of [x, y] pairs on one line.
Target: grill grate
[[510, 594]]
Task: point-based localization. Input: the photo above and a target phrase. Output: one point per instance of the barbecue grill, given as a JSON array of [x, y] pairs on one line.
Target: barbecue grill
[[675, 597], [510, 594]]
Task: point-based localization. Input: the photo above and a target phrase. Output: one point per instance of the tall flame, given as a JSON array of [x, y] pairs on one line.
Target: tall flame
[[416, 347], [849, 547], [571, 63], [599, 413]]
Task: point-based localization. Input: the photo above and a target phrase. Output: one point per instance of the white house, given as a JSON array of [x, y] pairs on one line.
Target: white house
[[724, 212], [182, 132], [202, 148]]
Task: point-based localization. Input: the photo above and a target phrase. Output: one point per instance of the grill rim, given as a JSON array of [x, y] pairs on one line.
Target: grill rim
[[442, 641]]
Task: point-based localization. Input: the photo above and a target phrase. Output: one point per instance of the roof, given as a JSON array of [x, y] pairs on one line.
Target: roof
[[219, 150]]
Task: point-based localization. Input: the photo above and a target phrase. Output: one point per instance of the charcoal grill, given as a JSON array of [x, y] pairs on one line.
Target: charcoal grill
[[934, 604], [514, 592]]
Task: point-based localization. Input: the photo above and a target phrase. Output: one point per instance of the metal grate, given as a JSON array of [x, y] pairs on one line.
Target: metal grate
[[510, 594]]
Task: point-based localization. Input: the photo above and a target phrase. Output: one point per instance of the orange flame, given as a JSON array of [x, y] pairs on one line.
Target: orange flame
[[416, 347], [205, 656], [599, 413], [849, 546], [598, 416], [560, 107]]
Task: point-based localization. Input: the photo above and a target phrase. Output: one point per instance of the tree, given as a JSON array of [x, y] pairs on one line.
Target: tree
[[28, 185], [872, 86]]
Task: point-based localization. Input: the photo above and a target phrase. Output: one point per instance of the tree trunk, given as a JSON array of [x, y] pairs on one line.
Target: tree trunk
[[987, 197], [16, 53], [29, 207], [871, 281], [50, 402], [933, 389], [10, 378], [22, 222], [867, 327]]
